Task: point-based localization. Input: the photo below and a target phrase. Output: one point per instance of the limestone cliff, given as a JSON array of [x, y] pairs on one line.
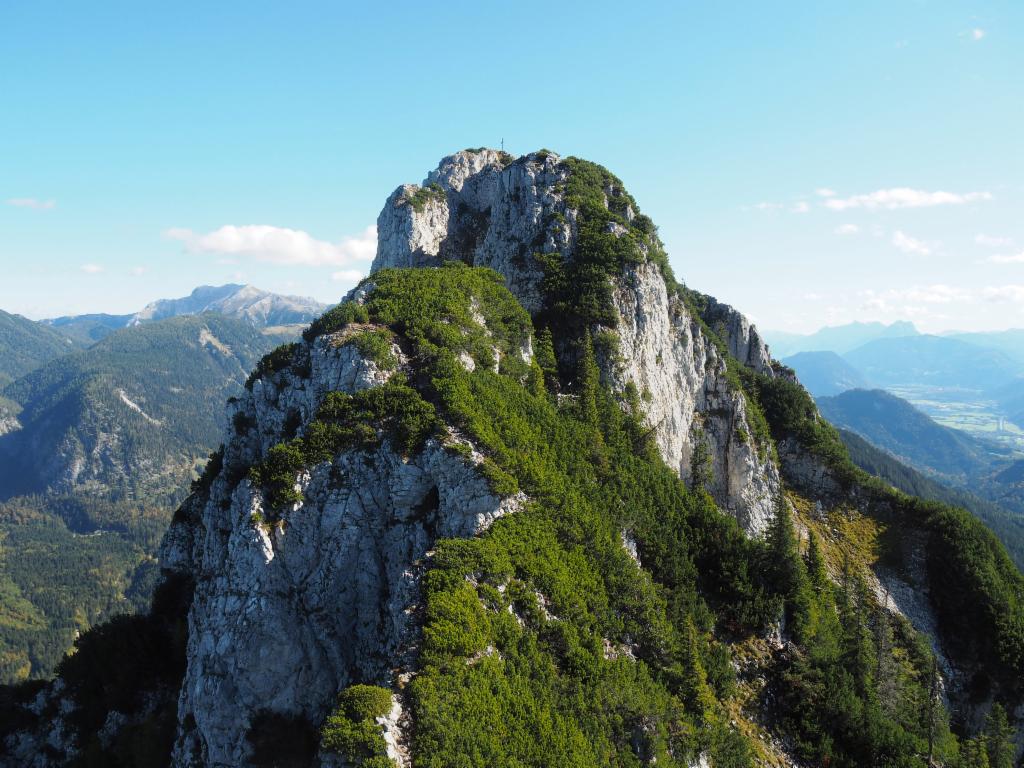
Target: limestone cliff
[[483, 209]]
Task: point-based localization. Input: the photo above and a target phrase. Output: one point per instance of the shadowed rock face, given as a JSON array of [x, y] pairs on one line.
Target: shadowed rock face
[[479, 208]]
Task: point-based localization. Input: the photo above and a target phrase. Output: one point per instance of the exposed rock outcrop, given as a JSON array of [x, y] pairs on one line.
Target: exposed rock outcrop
[[479, 208], [288, 611]]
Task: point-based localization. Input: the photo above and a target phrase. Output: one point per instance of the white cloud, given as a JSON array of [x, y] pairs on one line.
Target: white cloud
[[847, 229], [137, 271], [908, 244], [91, 269], [977, 33], [1007, 258], [765, 206], [903, 197], [825, 192], [31, 202], [992, 242], [348, 276], [800, 207], [279, 245], [1012, 293], [930, 300]]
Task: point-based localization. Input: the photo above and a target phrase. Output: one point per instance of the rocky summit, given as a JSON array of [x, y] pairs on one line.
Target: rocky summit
[[524, 499]]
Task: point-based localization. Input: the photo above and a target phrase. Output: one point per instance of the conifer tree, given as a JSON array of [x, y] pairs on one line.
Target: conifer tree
[[545, 358], [589, 382], [787, 569], [696, 690], [885, 672], [973, 753], [816, 571], [999, 738], [535, 379]]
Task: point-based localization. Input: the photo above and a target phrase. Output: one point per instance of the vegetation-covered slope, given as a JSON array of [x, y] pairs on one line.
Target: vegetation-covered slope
[[1008, 526], [895, 425], [25, 345], [65, 565], [131, 416]]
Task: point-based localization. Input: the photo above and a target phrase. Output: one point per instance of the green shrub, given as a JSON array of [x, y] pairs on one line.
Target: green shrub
[[375, 345], [344, 422], [351, 731], [275, 361], [336, 318], [419, 199]]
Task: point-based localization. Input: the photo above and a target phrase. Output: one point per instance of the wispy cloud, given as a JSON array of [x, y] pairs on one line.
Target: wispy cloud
[[847, 229], [909, 244], [278, 245], [800, 207], [1007, 258], [825, 192], [931, 300], [766, 206], [1001, 293], [977, 33], [91, 269], [31, 202], [137, 271], [903, 197], [992, 242]]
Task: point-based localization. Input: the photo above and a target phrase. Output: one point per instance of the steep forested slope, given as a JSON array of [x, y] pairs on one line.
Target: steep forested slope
[[1007, 525], [897, 426]]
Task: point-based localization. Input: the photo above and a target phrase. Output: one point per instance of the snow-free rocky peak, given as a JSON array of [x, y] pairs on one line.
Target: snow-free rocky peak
[[484, 208]]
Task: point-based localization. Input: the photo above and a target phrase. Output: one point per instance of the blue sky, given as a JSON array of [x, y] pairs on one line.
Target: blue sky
[[808, 162]]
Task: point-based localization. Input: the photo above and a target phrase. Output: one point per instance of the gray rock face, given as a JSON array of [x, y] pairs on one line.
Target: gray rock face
[[686, 395], [287, 613], [498, 216]]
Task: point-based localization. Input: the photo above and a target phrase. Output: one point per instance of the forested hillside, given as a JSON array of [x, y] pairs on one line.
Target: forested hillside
[[1007, 525], [25, 345], [133, 415], [110, 439], [895, 425]]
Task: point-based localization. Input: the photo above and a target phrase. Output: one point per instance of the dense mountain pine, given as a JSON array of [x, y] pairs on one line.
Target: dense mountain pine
[[543, 642]]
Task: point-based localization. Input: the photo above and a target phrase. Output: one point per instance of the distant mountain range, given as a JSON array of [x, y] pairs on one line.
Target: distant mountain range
[[933, 361], [825, 373], [104, 420], [839, 339], [247, 303]]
